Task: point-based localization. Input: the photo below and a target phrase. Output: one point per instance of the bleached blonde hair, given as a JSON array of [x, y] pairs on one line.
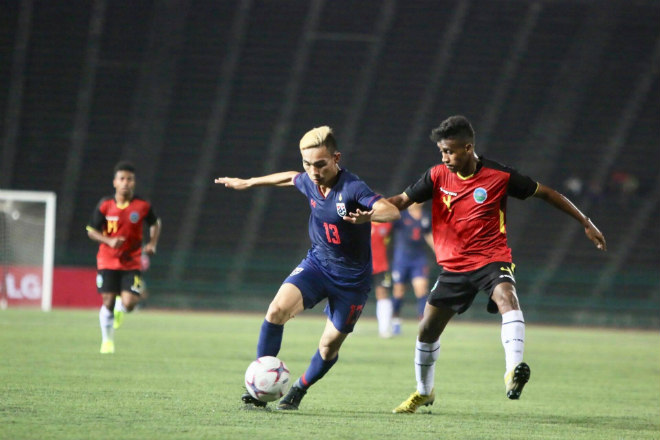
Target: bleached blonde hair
[[318, 137]]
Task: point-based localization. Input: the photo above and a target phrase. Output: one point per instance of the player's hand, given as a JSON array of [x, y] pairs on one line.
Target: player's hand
[[149, 249], [595, 236], [359, 216], [116, 242], [233, 182]]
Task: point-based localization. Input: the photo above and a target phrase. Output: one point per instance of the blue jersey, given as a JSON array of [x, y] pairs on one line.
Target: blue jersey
[[409, 241], [342, 249]]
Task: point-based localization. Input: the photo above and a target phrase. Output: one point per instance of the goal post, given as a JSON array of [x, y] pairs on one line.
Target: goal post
[[27, 248]]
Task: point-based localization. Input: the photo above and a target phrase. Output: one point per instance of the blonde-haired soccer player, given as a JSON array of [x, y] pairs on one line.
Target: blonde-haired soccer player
[[338, 264]]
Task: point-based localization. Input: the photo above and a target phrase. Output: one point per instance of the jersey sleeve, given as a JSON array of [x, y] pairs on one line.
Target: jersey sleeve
[[299, 182], [97, 218], [521, 186], [365, 195], [151, 217], [422, 190]]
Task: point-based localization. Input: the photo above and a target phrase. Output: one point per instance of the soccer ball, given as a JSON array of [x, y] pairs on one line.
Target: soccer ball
[[267, 379]]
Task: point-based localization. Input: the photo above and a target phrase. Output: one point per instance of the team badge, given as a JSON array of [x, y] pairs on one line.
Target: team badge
[[480, 195], [99, 280], [134, 217], [312, 202], [341, 209]]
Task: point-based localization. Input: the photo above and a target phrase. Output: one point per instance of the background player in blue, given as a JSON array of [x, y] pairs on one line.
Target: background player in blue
[[410, 263], [337, 266]]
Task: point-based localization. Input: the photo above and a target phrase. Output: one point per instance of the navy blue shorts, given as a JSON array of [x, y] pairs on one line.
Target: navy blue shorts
[[344, 306], [406, 271]]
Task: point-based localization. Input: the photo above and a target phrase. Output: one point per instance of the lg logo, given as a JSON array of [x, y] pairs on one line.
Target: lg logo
[[28, 287]]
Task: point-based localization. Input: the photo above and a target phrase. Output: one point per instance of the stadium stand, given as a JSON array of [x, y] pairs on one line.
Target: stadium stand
[[195, 89]]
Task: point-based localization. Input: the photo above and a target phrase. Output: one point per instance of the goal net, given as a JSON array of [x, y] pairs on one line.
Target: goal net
[[27, 247]]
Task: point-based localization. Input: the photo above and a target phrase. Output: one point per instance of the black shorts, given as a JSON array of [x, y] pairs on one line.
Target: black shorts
[[383, 279], [457, 290], [116, 281]]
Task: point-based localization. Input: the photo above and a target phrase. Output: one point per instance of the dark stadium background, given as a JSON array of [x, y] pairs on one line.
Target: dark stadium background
[[567, 91]]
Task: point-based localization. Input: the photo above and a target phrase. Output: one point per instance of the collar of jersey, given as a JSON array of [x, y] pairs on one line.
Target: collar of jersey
[[122, 205], [479, 165]]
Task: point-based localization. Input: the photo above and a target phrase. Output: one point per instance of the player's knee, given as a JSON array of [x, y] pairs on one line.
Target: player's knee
[[277, 315], [506, 300]]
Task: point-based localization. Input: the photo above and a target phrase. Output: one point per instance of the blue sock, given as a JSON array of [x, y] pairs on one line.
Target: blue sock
[[270, 339], [396, 306], [421, 303], [316, 370]]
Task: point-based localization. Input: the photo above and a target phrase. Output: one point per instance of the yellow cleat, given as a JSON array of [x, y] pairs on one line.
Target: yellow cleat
[[119, 315], [107, 347], [415, 401], [119, 318], [515, 380]]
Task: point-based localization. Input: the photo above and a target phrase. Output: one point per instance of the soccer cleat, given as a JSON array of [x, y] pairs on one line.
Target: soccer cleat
[[516, 379], [292, 399], [249, 400], [107, 347], [415, 401], [119, 315]]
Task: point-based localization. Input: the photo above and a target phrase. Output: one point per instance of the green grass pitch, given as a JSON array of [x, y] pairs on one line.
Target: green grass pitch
[[180, 375]]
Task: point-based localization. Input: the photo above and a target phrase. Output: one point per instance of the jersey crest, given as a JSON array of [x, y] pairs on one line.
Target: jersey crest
[[341, 209], [480, 195]]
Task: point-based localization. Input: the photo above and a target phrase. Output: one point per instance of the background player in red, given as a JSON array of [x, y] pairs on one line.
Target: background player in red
[[382, 279], [117, 224], [469, 195]]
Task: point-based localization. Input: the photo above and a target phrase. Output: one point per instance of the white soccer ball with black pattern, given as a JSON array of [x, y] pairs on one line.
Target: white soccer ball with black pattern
[[267, 379]]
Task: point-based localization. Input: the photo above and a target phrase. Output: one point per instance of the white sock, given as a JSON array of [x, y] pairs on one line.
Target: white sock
[[107, 318], [119, 305], [384, 316], [425, 356], [513, 338]]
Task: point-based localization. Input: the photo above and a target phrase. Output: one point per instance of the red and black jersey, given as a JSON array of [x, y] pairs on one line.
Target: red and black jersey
[[469, 213], [380, 233], [127, 221]]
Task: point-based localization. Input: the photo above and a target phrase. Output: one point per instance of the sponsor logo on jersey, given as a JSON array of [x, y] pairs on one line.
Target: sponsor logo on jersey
[[134, 217], [112, 218], [449, 193], [480, 195], [341, 209], [296, 271]]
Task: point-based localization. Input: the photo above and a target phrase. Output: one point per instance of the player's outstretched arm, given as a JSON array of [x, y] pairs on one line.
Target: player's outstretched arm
[[562, 203], [401, 201], [382, 211], [284, 178]]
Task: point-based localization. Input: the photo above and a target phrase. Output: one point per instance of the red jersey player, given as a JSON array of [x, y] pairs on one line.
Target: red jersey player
[[117, 224], [382, 280], [469, 195]]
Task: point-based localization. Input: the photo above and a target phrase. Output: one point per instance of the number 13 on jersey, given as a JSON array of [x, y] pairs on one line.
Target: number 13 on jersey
[[331, 233]]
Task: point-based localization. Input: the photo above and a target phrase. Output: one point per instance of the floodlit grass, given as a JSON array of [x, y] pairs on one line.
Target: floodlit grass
[[180, 375]]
